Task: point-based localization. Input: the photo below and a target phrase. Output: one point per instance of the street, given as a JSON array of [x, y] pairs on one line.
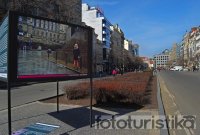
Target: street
[[184, 86], [30, 93]]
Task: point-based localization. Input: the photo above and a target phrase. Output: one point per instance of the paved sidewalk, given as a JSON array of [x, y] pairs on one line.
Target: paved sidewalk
[[73, 120]]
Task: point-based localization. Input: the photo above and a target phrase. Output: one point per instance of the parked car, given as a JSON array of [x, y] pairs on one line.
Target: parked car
[[186, 69], [177, 68]]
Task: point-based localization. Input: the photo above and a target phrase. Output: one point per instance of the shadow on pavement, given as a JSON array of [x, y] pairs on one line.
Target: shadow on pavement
[[80, 117], [76, 117]]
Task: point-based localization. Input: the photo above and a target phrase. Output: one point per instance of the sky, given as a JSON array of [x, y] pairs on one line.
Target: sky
[[153, 24]]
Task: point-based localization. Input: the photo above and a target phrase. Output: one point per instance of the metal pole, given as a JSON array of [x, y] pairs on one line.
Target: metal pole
[[9, 109], [91, 97], [57, 97]]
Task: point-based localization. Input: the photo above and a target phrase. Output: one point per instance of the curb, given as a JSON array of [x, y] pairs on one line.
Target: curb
[[161, 109], [170, 107]]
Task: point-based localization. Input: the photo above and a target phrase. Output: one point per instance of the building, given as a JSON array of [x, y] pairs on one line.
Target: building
[[97, 55], [166, 52], [135, 50], [117, 46], [161, 61], [62, 10], [130, 46], [197, 53], [127, 44], [43, 31], [95, 18], [186, 49], [148, 62], [173, 55], [179, 54]]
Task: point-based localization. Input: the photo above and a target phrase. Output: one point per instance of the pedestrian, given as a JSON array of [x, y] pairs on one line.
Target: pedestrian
[[194, 68], [76, 58], [114, 72]]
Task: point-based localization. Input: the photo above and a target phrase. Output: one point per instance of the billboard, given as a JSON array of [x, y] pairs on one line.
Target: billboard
[[3, 48], [39, 49], [49, 49]]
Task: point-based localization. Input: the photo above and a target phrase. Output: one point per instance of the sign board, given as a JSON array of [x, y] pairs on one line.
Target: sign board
[[42, 49], [36, 129], [3, 48]]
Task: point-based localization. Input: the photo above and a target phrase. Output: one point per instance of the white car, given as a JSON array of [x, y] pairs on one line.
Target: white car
[[186, 69], [177, 68]]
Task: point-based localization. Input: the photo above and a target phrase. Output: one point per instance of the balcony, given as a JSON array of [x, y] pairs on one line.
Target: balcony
[[106, 26]]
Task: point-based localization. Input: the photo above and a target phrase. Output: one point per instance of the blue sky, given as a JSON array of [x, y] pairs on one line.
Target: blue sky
[[154, 24]]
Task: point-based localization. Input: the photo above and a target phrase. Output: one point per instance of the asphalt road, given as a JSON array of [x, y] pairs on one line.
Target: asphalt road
[[185, 86], [25, 94]]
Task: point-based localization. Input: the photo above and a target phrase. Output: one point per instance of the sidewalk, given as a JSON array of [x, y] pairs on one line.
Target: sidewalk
[[73, 120]]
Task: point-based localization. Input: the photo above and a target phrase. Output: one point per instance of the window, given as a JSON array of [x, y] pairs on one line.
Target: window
[[37, 23]]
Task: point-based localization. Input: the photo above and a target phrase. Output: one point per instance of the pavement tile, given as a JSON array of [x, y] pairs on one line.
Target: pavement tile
[[73, 120]]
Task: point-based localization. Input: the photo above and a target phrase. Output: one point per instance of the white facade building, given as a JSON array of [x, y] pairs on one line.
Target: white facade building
[[95, 18], [161, 60]]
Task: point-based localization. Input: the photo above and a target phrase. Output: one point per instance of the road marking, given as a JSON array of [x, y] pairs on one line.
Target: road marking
[[174, 133]]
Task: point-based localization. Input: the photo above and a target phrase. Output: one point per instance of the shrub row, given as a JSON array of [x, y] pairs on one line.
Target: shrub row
[[126, 88]]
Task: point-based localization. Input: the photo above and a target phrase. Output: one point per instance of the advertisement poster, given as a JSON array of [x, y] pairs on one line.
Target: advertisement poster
[[48, 49], [3, 48]]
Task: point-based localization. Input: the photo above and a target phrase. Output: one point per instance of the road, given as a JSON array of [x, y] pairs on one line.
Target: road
[[185, 88], [25, 94]]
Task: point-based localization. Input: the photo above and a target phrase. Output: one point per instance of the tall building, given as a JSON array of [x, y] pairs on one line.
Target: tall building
[[173, 55], [95, 18], [186, 49], [62, 10], [197, 54], [117, 46]]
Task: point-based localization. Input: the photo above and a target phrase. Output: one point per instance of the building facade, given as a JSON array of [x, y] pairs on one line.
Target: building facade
[[130, 46], [95, 18], [161, 61], [135, 50], [43, 31], [173, 55], [117, 46]]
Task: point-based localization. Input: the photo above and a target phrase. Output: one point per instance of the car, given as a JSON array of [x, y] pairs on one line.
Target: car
[[172, 69], [176, 68], [186, 69]]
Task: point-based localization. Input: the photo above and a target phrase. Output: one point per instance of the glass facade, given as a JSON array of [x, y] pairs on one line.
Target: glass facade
[[107, 34]]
